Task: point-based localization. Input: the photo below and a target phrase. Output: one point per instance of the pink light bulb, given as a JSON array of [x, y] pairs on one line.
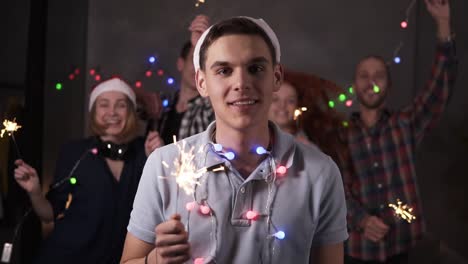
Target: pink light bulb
[[199, 261], [205, 209], [281, 170], [251, 215], [404, 24], [190, 206]]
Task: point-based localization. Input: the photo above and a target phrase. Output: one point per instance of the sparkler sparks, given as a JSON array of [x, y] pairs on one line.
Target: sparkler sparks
[[186, 173], [403, 211], [10, 127], [199, 2], [299, 112]]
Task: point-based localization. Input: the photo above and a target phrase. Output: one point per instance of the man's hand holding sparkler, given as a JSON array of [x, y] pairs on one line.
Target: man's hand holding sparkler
[[171, 242], [374, 228]]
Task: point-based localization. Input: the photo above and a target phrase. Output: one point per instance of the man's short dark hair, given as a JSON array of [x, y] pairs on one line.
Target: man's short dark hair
[[234, 26]]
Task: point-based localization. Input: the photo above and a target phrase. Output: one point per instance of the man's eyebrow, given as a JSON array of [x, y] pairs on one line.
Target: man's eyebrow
[[259, 60], [225, 63], [219, 64]]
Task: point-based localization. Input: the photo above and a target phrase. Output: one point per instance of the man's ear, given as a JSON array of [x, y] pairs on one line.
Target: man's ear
[[201, 83], [180, 64], [278, 75]]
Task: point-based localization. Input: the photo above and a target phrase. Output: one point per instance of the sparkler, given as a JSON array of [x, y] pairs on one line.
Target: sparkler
[[186, 172], [299, 112], [199, 2], [403, 211], [10, 127]]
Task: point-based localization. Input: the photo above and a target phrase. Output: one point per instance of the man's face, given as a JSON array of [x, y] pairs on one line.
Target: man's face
[[239, 79], [185, 66], [369, 72]]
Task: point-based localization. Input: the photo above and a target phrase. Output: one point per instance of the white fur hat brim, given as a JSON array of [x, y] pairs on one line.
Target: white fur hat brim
[[260, 22], [114, 84]]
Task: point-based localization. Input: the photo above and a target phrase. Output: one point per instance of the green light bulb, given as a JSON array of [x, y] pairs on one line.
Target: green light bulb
[[342, 97], [331, 104], [73, 180], [376, 88], [58, 86]]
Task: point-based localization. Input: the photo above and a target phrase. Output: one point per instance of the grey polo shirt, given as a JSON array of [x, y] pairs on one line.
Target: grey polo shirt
[[307, 203]]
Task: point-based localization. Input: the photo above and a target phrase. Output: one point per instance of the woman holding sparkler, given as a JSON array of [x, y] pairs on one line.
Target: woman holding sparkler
[[95, 182]]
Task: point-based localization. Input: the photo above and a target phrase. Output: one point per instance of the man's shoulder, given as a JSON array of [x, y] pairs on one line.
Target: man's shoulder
[[185, 144], [312, 155]]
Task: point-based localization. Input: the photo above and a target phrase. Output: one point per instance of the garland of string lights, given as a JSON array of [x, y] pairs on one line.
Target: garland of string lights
[[346, 99], [189, 177], [97, 76]]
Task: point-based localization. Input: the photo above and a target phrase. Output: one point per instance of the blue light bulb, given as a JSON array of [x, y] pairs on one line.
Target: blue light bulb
[[260, 150], [217, 147], [280, 235], [170, 80], [397, 60], [165, 103], [230, 155], [152, 59]]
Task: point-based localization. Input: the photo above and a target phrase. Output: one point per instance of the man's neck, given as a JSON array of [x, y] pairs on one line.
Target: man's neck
[[243, 144], [185, 95], [370, 116]]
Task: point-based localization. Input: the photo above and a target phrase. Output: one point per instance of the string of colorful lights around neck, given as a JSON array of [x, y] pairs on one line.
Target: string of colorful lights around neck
[[188, 176]]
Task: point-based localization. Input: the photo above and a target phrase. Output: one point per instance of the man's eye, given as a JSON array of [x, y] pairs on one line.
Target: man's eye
[[256, 69], [223, 71]]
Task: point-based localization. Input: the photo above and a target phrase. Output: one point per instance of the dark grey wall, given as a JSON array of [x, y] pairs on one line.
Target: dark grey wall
[[443, 155], [324, 37], [14, 23], [66, 51]]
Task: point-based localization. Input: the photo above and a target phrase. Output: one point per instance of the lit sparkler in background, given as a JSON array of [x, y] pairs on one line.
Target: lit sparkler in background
[[10, 127], [403, 211], [199, 2], [299, 112]]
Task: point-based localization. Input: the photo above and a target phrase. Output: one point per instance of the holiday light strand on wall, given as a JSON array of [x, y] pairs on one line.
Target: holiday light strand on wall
[[97, 76], [396, 59]]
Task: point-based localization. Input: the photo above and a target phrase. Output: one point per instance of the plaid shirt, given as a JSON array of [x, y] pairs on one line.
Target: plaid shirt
[[196, 119], [383, 159]]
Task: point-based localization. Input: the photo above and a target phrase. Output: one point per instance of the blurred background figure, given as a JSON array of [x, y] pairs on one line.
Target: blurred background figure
[[89, 203], [316, 123]]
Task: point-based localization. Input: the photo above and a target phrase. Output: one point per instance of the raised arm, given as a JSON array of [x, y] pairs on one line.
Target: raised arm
[[26, 176], [431, 101]]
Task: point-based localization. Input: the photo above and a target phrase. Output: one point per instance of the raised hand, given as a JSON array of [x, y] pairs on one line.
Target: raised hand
[[199, 24], [439, 9], [26, 177], [152, 142]]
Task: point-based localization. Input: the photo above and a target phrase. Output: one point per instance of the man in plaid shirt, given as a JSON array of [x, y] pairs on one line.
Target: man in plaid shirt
[[382, 152]]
